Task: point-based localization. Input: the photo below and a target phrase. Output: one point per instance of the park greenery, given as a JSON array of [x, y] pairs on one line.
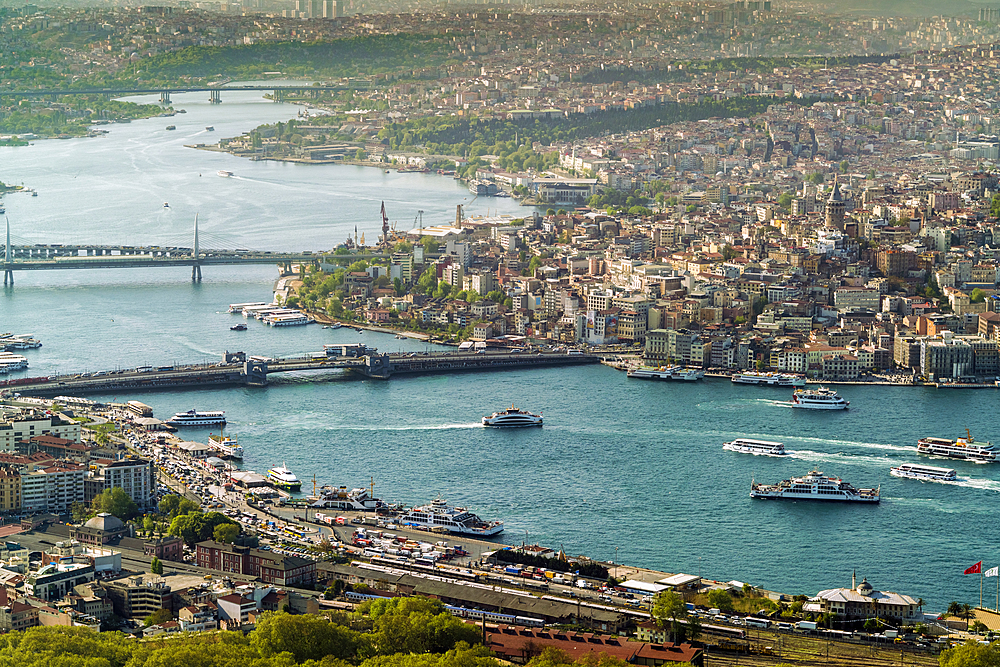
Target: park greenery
[[359, 56], [197, 526], [72, 117]]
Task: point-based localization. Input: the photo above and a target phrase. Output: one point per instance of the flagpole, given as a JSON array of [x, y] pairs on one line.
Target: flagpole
[[981, 586], [997, 608]]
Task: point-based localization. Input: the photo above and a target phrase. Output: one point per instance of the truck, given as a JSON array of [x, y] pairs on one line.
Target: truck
[[805, 626], [582, 583], [890, 634]]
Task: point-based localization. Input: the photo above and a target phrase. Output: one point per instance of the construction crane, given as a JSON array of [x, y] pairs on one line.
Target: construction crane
[[419, 216]]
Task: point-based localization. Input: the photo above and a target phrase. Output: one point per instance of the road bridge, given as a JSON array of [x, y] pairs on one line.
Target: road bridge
[[214, 92], [254, 371]]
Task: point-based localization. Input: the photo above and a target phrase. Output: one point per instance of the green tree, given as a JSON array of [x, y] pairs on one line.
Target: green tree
[[668, 611], [115, 501], [157, 617], [977, 296], [430, 244], [785, 200], [173, 505], [305, 636], [415, 625], [79, 512], [226, 533], [995, 206], [156, 566], [721, 600], [844, 166], [971, 654]]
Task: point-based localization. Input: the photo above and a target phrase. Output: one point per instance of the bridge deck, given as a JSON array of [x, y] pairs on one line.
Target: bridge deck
[[197, 376]]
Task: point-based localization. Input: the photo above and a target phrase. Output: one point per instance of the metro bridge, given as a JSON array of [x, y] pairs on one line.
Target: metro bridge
[[214, 92], [38, 257]]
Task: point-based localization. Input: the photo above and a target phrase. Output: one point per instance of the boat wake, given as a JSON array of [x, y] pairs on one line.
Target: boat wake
[[415, 427], [825, 457], [850, 443], [771, 401]]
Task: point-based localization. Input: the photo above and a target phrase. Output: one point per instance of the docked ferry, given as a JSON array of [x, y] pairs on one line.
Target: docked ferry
[[814, 486], [283, 478], [755, 447], [666, 373], [438, 515], [966, 449], [195, 418], [342, 499], [818, 399], [769, 379], [227, 446], [928, 473], [512, 418]]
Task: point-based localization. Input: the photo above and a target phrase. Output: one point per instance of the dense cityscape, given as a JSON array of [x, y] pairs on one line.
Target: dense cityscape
[[705, 195]]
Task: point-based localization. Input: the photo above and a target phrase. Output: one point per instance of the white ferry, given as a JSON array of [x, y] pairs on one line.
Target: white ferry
[[755, 447], [814, 486], [227, 446], [453, 519], [818, 399], [512, 418], [283, 478], [238, 307], [342, 499], [19, 342], [930, 473], [666, 373], [224, 173], [195, 418], [966, 449], [12, 362], [769, 379]]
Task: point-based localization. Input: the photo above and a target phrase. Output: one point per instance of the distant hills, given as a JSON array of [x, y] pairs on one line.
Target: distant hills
[[913, 7]]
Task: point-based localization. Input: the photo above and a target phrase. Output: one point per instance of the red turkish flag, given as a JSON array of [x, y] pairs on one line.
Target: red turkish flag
[[975, 569]]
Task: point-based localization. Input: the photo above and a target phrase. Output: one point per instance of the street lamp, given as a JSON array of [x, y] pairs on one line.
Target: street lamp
[[616, 563]]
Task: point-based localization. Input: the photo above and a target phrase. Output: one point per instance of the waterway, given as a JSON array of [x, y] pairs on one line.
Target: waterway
[[619, 463]]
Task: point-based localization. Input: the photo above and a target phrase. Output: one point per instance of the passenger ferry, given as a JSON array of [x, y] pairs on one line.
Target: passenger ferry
[[666, 373], [342, 499], [814, 486], [755, 447], [12, 342], [512, 418], [818, 399], [283, 478], [195, 418], [227, 446], [965, 449], [12, 362], [224, 173], [238, 307], [453, 519], [769, 379], [929, 473]]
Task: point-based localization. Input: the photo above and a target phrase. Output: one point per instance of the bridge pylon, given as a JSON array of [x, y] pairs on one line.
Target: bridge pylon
[[165, 97], [215, 96], [196, 267], [8, 257]]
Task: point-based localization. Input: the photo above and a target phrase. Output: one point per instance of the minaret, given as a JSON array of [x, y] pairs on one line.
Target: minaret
[[835, 208], [854, 580]]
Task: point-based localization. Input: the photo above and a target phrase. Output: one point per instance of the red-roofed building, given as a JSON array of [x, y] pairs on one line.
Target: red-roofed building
[[520, 645]]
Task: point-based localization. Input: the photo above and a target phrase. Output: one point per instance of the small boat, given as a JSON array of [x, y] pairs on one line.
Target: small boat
[[359, 330], [34, 193], [512, 418], [210, 128], [224, 173], [171, 127], [238, 327], [2, 210], [166, 205]]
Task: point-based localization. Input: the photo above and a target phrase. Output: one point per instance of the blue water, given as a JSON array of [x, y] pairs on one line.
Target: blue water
[[620, 463]]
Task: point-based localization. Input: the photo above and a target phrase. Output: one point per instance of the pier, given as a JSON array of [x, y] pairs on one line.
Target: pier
[[254, 371]]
